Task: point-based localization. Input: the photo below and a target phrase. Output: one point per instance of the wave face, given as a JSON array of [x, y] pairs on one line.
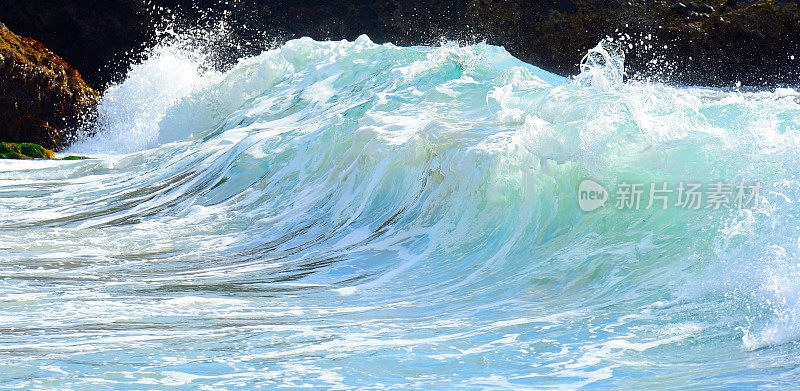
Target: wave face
[[342, 214]]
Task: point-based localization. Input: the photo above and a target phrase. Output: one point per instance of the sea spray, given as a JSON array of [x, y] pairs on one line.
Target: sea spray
[[603, 66]]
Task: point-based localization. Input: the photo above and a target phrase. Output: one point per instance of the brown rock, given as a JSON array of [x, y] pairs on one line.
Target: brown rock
[[43, 99]]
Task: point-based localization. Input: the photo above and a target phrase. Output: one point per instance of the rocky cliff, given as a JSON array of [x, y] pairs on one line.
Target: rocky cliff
[[42, 98]]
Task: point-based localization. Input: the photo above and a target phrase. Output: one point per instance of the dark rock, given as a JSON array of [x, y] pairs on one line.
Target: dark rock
[[96, 38], [680, 9], [43, 100], [731, 3], [705, 9], [750, 43]]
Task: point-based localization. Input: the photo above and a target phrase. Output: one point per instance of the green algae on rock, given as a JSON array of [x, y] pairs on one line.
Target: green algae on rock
[[14, 155], [25, 151]]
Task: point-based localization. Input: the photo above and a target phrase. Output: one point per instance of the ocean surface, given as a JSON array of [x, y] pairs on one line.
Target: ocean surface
[[343, 215]]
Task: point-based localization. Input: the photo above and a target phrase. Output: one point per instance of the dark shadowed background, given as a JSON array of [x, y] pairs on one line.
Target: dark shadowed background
[[695, 42]]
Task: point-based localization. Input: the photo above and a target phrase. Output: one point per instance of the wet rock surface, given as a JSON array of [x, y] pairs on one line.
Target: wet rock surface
[[43, 99]]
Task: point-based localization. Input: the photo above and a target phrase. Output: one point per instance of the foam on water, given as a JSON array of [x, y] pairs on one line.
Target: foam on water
[[323, 211]]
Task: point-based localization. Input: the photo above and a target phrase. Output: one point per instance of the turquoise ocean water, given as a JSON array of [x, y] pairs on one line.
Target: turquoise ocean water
[[353, 215]]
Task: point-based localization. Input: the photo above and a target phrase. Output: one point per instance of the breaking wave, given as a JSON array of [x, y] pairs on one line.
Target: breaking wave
[[341, 214]]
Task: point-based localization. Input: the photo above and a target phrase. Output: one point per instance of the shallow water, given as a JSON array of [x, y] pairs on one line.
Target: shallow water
[[353, 215]]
